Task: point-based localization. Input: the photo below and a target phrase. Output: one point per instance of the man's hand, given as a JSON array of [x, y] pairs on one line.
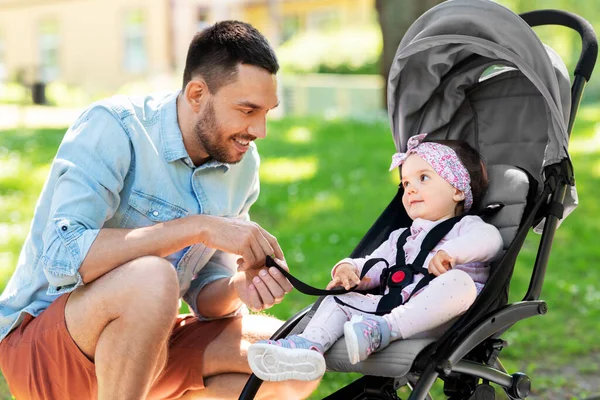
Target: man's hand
[[261, 288], [441, 263], [346, 275], [236, 236]]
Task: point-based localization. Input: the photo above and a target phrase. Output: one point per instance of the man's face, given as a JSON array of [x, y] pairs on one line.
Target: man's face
[[236, 114]]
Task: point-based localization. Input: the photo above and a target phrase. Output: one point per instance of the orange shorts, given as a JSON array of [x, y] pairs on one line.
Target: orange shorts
[[40, 360]]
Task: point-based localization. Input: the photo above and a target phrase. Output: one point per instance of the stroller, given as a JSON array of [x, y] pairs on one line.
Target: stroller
[[473, 70]]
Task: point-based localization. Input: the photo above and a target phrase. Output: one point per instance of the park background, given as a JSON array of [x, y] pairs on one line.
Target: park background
[[324, 165]]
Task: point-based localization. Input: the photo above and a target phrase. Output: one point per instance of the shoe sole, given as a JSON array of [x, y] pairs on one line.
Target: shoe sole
[[274, 363], [351, 343]]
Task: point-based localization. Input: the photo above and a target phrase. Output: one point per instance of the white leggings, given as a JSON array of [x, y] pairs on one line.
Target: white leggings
[[427, 314]]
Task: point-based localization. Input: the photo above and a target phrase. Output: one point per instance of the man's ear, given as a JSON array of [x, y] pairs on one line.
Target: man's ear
[[196, 91], [458, 196]]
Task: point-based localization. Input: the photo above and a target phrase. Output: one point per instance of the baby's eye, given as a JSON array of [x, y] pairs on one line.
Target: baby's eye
[[424, 178], [405, 184]]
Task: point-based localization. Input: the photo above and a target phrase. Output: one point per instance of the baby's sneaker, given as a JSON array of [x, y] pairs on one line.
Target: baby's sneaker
[[291, 358], [365, 335]]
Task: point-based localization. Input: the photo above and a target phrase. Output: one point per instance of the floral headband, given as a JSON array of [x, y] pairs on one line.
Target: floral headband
[[443, 160]]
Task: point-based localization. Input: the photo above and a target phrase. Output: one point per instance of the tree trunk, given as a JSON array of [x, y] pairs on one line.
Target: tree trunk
[[395, 17]]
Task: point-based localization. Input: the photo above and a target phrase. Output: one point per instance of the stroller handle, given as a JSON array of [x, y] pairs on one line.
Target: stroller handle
[[589, 48]]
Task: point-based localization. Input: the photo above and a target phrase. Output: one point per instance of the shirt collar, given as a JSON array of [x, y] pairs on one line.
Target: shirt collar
[[420, 224], [172, 139]]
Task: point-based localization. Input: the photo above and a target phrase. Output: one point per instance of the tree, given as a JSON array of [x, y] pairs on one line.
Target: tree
[[395, 17]]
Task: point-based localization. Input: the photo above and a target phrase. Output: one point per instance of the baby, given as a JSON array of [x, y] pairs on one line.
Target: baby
[[422, 290]]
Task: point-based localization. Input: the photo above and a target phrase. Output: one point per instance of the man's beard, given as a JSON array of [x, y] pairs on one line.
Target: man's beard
[[212, 138]]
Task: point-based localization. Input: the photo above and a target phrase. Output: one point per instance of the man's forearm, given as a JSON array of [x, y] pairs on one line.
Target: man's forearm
[[217, 299], [115, 247]]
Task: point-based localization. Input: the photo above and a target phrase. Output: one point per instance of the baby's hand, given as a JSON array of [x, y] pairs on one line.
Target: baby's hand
[[441, 263], [346, 275]]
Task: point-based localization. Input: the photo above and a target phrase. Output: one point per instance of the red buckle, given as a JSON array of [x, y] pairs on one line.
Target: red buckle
[[398, 276]]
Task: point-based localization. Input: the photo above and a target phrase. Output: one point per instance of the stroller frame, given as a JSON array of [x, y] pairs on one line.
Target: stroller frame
[[481, 340]]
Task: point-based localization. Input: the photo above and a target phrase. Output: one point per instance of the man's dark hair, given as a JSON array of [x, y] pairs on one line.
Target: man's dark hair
[[216, 52], [473, 162]]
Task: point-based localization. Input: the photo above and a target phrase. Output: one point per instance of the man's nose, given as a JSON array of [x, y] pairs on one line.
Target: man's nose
[[258, 128]]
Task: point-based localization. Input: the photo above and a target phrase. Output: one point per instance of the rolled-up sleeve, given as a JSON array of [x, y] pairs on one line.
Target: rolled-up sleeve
[[220, 266], [88, 174]]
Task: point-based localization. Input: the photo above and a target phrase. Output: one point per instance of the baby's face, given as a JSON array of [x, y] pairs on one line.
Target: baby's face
[[426, 194]]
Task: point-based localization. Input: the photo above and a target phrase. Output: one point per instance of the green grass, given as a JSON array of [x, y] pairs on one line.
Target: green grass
[[323, 185]]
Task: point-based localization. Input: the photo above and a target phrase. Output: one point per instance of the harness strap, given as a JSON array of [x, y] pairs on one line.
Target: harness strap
[[394, 297], [303, 287], [387, 277], [402, 274]]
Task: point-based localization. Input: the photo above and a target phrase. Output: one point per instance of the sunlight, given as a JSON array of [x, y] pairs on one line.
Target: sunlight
[[287, 170], [299, 134], [10, 232], [6, 263], [40, 174], [589, 112], [320, 203], [586, 145], [10, 165]]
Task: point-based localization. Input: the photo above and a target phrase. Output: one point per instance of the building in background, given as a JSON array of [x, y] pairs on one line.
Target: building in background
[[100, 45]]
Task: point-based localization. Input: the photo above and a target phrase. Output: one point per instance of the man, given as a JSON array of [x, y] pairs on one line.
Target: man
[[147, 202]]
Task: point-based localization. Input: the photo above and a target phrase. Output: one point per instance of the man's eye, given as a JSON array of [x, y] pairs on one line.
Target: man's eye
[[247, 112]]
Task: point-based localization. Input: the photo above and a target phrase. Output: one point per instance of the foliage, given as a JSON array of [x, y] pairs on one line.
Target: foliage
[[349, 51]]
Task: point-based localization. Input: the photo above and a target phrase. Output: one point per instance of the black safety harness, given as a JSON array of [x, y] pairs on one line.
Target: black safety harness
[[395, 277], [400, 275]]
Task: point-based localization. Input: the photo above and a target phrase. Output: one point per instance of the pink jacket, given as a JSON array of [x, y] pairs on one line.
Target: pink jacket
[[472, 242]]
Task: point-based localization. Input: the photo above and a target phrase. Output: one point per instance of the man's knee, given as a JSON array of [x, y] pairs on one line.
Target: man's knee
[[148, 282], [151, 282], [155, 273]]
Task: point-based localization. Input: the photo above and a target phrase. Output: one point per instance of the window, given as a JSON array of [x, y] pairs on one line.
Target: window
[[135, 59], [49, 51]]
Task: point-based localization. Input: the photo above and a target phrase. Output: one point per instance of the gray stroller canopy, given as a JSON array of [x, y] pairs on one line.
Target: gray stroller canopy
[[442, 58]]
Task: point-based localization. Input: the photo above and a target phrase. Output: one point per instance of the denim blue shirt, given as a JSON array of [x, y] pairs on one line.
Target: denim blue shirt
[[123, 164]]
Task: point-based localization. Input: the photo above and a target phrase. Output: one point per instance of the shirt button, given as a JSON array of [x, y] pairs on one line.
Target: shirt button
[[64, 227], [155, 213]]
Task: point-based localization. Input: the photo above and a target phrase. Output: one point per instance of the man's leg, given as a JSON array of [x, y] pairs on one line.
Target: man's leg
[[229, 386], [226, 367], [122, 322]]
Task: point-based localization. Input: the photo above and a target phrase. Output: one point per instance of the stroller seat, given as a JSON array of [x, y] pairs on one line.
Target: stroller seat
[[394, 361], [509, 186]]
